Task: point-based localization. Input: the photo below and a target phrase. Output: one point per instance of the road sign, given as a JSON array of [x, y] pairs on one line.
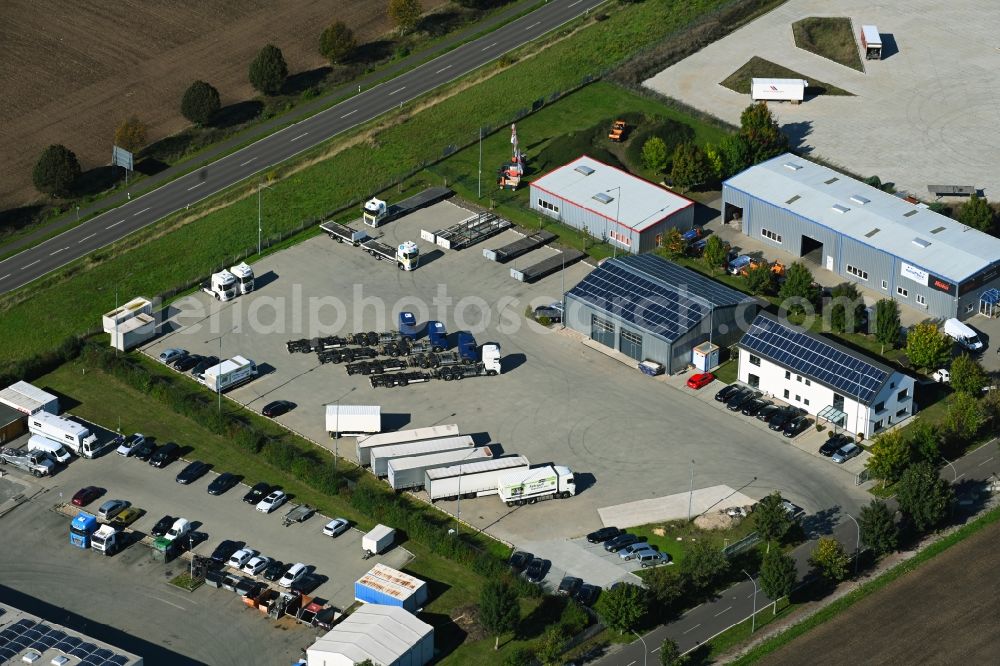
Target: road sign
[[123, 158]]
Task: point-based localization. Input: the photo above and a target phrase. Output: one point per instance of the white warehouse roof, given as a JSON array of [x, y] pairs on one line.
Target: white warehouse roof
[[384, 634], [910, 232], [590, 184], [27, 398]]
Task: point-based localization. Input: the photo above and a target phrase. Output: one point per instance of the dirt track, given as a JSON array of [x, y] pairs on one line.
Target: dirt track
[[945, 612], [75, 69]]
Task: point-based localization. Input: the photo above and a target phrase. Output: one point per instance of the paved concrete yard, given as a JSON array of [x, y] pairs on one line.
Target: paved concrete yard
[[589, 561], [674, 507], [924, 115], [626, 436]]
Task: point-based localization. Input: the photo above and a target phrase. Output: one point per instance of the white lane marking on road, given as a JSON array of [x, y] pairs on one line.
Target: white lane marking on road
[[576, 3], [631, 662], [199, 184], [31, 264], [5, 276], [486, 48], [298, 137], [87, 238], [349, 113], [988, 460], [693, 628], [248, 161], [723, 611], [654, 650], [533, 25], [442, 69], [396, 91], [140, 212], [170, 603], [115, 224], [58, 251]]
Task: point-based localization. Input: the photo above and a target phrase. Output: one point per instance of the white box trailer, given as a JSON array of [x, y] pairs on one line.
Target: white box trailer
[[376, 541], [353, 420], [408, 473], [871, 41], [366, 443], [74, 436], [383, 454], [230, 374], [778, 90], [474, 479]]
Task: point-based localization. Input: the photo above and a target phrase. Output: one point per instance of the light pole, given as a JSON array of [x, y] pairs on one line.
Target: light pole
[[753, 618], [260, 222], [479, 187], [458, 506], [191, 550], [857, 544], [218, 383], [645, 650], [618, 210], [691, 491]]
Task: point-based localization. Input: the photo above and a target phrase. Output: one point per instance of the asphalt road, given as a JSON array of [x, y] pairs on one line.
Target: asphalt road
[[135, 214], [736, 604]]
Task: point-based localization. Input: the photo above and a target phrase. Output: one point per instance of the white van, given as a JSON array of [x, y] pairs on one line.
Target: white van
[[293, 575], [56, 451], [180, 527], [963, 334]]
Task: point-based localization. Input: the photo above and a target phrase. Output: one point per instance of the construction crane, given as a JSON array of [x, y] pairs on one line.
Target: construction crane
[[509, 175]]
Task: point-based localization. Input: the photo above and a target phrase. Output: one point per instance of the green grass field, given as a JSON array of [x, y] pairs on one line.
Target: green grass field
[[673, 536], [830, 37], [153, 261], [757, 67]]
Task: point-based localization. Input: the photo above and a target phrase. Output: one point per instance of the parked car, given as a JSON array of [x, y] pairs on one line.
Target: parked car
[[652, 558], [241, 557], [587, 594], [179, 529], [275, 570], [162, 525], [165, 455], [144, 450], [553, 311], [112, 508], [277, 408], [274, 499], [631, 551], [336, 527], [620, 542], [225, 550], [256, 565], [941, 376], [570, 585], [86, 495], [754, 406], [193, 472], [832, 444], [257, 493], [700, 380], [845, 453], [127, 447], [726, 392], [737, 402], [177, 358], [783, 416], [168, 355], [204, 364], [603, 534], [767, 412], [294, 574], [520, 560], [127, 516], [222, 483], [536, 570], [796, 426]]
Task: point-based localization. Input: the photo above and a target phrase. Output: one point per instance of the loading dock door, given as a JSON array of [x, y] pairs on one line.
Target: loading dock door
[[602, 331], [630, 344]]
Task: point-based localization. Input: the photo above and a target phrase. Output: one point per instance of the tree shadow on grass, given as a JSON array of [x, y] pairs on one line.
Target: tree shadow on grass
[[237, 114], [440, 23], [546, 613], [302, 81], [372, 52], [98, 179], [14, 219]]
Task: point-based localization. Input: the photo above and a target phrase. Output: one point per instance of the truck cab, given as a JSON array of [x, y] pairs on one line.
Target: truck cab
[[438, 336], [408, 325], [374, 210], [408, 255], [106, 539], [223, 286], [81, 528], [491, 358], [244, 277], [467, 347]]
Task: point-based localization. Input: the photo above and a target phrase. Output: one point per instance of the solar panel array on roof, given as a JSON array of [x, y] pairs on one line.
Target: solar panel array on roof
[[27, 634], [710, 291], [814, 358]]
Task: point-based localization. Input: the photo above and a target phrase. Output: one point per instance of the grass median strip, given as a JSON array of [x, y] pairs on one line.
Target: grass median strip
[[757, 67]]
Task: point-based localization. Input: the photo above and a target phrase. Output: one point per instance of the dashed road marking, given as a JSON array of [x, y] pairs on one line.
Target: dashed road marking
[[724, 611], [87, 238], [115, 224], [442, 69], [139, 212], [298, 137], [349, 113]]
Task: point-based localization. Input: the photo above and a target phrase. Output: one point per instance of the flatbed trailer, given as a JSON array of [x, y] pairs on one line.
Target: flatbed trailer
[[348, 355], [375, 367], [522, 246], [376, 212], [343, 233], [468, 232], [546, 266], [459, 372], [379, 250], [435, 360], [306, 345], [399, 379]]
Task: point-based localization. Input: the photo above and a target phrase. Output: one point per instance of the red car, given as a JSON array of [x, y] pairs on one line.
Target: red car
[[85, 496], [699, 380]]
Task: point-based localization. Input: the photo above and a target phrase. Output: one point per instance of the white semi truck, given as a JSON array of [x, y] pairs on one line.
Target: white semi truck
[[230, 374], [472, 479], [223, 286], [244, 277], [539, 483], [367, 444], [74, 436], [107, 539], [381, 456]]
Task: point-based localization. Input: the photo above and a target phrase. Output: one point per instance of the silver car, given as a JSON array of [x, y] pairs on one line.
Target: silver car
[[630, 552], [845, 453]]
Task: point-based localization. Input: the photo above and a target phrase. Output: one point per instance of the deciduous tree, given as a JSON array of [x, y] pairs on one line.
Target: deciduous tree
[[703, 565], [771, 519], [777, 574], [831, 559], [200, 102], [337, 42], [878, 528], [131, 134], [690, 167], [761, 132], [887, 322], [499, 612], [923, 495], [714, 254], [798, 289], [654, 154], [925, 442], [976, 213], [673, 244], [965, 419], [760, 279], [670, 654], [621, 608], [891, 454], [846, 308], [405, 13], [967, 375], [56, 171], [735, 153], [268, 70], [927, 347]]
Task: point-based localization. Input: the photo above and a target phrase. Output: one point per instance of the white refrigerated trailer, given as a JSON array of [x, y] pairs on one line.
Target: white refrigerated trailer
[[408, 473], [367, 443], [472, 479], [778, 90], [384, 454]]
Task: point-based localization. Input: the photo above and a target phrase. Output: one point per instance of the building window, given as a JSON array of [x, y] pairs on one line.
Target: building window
[[798, 378], [798, 398], [621, 239], [753, 381], [968, 308], [879, 407], [786, 394], [885, 284], [542, 203], [806, 401], [901, 413], [902, 395], [902, 292], [878, 425], [770, 235], [838, 401], [857, 272], [919, 298], [788, 375], [659, 240], [755, 360], [808, 383]]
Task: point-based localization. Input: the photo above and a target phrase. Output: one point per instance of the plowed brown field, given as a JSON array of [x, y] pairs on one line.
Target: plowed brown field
[[74, 69]]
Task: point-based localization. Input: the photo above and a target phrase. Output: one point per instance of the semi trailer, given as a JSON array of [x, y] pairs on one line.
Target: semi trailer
[[468, 232], [377, 212], [406, 255], [521, 246], [871, 42], [346, 355], [381, 456], [74, 436], [408, 473], [471, 479], [367, 444], [375, 367], [778, 90], [548, 266], [538, 483], [229, 374], [394, 379], [353, 419]]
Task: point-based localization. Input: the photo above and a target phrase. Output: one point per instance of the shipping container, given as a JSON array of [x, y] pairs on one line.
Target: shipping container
[[366, 444], [383, 454], [473, 479], [408, 473], [388, 587], [353, 419], [778, 90]]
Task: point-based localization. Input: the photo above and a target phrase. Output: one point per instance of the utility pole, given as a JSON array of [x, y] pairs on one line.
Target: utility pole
[[691, 491], [479, 191]]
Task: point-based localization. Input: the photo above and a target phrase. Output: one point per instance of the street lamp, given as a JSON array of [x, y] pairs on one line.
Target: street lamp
[[336, 428], [260, 223], [691, 491], [857, 544], [458, 506], [753, 618], [645, 650], [218, 384]]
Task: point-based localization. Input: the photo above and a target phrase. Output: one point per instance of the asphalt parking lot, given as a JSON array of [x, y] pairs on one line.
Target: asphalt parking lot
[[626, 436], [922, 115]]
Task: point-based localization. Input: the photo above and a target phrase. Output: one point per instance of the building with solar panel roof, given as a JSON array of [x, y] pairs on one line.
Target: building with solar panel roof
[[605, 202], [837, 385], [649, 308], [897, 248], [25, 638]]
